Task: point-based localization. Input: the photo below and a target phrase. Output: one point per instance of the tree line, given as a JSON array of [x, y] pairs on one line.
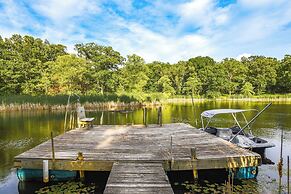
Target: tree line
[[32, 66]]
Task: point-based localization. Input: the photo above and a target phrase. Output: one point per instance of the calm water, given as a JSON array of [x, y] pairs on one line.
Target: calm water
[[21, 131]]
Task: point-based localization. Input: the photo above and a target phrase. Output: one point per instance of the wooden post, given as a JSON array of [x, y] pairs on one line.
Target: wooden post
[[53, 149], [80, 158], [101, 118], [288, 175], [145, 110], [171, 153], [280, 164], [160, 119], [193, 159]]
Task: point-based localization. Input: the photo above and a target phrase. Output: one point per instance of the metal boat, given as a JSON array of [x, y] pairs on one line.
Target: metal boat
[[236, 134]]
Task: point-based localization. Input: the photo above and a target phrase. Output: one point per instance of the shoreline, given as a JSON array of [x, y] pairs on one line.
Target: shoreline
[[123, 105]]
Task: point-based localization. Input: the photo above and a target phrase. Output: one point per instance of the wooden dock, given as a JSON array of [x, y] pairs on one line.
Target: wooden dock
[[138, 177], [172, 147]]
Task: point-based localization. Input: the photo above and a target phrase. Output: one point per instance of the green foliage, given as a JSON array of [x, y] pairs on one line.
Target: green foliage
[[247, 89], [31, 66]]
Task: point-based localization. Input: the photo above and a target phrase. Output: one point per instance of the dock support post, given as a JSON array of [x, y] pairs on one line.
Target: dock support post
[[81, 172], [194, 159], [45, 171], [160, 120], [145, 112], [288, 175], [53, 149]]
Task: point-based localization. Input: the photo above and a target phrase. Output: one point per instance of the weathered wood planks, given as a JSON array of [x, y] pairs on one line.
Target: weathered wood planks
[[132, 177], [104, 145]]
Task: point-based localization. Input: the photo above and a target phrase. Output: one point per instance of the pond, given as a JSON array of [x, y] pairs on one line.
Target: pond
[[22, 130]]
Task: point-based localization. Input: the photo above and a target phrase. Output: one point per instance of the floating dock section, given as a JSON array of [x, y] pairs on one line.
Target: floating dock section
[[138, 156]]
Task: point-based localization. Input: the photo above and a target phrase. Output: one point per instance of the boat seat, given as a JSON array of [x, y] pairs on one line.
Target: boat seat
[[83, 121]]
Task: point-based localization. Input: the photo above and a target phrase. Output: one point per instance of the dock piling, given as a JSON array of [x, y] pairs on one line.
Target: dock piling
[[145, 113], [80, 158], [193, 159], [45, 169], [288, 175], [160, 119], [53, 148]]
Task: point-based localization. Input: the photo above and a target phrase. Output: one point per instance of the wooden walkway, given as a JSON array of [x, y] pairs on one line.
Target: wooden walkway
[[169, 146], [126, 177]]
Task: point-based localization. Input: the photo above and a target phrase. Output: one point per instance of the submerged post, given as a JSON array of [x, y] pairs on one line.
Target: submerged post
[[160, 118]]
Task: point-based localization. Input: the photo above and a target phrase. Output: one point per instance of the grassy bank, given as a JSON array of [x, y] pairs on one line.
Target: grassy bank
[[255, 98], [113, 101]]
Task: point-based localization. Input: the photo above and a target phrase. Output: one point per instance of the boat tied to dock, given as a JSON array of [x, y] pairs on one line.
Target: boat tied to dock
[[236, 134]]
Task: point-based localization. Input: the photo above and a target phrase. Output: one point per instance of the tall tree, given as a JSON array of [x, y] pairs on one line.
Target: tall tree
[[134, 74], [284, 75], [262, 72], [235, 73]]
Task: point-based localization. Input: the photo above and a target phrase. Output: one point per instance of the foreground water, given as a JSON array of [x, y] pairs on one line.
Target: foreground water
[[21, 131]]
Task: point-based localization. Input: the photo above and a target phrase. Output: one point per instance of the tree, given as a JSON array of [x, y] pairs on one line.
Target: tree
[[247, 89], [104, 61], [193, 85], [134, 74], [165, 85], [210, 74], [156, 70], [262, 72], [235, 73], [284, 75], [66, 75]]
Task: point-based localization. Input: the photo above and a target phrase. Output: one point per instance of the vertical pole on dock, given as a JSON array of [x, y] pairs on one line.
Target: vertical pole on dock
[[53, 148], [193, 159], [171, 153], [145, 112], [160, 119], [101, 118], [288, 175], [81, 172], [280, 164], [132, 118]]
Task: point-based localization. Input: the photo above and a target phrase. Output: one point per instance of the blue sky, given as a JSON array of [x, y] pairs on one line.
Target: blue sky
[[157, 29]]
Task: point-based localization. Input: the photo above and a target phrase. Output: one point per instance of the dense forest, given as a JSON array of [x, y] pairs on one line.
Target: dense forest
[[32, 66]]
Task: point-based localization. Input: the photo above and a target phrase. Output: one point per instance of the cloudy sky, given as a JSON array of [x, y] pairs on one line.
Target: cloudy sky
[[165, 30]]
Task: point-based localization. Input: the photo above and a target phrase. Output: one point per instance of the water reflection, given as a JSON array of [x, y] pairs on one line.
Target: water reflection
[[23, 130]]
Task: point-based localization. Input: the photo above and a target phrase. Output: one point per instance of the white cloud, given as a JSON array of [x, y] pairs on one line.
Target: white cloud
[[260, 3], [202, 13], [59, 11], [153, 46], [260, 27]]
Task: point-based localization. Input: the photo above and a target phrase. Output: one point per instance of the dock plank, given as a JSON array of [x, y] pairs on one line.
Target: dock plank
[[132, 177]]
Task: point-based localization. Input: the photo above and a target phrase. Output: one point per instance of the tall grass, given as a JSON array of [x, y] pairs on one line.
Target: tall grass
[[59, 102]]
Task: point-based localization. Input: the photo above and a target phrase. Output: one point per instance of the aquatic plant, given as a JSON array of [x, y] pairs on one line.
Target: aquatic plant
[[67, 187]]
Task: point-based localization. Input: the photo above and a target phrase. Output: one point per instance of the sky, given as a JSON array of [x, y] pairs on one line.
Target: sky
[[163, 30]]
